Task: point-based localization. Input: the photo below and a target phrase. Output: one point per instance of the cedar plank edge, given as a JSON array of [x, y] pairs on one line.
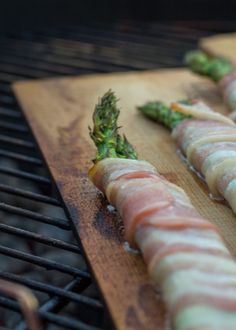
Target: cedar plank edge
[[221, 45], [59, 111]]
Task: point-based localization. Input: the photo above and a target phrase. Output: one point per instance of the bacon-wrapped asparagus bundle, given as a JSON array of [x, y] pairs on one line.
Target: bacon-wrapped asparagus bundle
[[184, 253], [206, 138], [219, 70]]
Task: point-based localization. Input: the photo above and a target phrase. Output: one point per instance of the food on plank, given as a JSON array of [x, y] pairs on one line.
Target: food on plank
[[206, 138], [220, 71], [185, 254]]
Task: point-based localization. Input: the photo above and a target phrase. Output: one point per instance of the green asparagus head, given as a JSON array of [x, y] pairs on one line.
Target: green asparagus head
[[213, 67], [105, 134], [161, 113]]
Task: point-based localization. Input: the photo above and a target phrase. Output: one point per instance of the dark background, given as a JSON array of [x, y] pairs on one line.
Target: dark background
[[23, 14]]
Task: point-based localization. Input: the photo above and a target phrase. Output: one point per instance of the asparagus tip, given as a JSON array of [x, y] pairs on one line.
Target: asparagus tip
[[214, 67], [161, 113], [105, 130]]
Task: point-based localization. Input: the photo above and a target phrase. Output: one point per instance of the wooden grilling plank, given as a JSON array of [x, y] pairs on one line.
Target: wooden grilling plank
[[59, 112]]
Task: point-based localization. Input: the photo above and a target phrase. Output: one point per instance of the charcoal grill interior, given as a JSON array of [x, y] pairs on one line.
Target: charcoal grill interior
[[39, 247]]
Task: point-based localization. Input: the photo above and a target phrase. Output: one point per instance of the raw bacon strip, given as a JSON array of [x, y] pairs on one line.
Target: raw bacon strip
[[218, 69], [205, 151], [185, 130], [200, 110], [215, 172], [227, 87], [184, 253], [210, 146], [114, 173]]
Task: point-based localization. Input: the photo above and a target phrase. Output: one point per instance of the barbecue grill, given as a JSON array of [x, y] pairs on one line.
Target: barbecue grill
[[40, 248]]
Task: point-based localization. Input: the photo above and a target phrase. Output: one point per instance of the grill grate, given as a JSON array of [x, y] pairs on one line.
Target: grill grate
[[31, 211]]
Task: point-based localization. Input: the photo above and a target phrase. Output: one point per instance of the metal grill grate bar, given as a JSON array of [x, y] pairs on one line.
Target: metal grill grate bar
[[10, 113], [55, 304], [29, 195], [63, 56], [74, 40], [39, 238], [43, 262], [31, 61], [35, 216], [7, 99], [20, 157], [5, 88], [52, 290], [25, 175], [61, 321], [13, 127], [16, 142], [9, 78]]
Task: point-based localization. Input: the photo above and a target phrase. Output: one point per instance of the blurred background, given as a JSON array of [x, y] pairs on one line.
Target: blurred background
[[15, 14]]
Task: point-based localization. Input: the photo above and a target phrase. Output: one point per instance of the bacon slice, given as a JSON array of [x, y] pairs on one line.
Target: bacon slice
[[210, 147], [200, 110], [227, 87], [206, 151], [185, 254]]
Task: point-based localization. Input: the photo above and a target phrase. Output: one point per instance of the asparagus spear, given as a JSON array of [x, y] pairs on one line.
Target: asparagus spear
[[213, 67], [161, 113], [105, 134]]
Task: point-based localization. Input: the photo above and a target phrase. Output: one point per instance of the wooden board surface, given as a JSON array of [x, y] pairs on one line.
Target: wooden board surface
[[59, 112], [223, 45]]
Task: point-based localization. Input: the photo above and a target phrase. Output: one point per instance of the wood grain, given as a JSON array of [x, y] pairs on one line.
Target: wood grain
[[222, 45], [59, 112]]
